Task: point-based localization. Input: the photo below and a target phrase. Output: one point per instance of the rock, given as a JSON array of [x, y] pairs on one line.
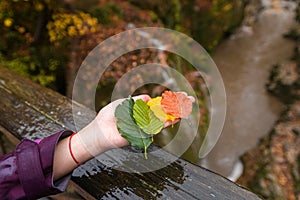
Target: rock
[[274, 174]]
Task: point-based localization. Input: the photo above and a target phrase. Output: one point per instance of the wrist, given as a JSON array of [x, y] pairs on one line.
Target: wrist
[[77, 149], [93, 139]]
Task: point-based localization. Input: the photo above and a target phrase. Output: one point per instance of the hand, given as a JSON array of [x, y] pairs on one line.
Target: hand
[[102, 133], [107, 122], [97, 137]]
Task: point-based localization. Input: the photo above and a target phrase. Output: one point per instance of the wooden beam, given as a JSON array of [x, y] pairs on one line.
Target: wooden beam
[[28, 110]]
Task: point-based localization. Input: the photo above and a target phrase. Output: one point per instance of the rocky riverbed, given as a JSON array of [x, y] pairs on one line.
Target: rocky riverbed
[[245, 61], [272, 169]]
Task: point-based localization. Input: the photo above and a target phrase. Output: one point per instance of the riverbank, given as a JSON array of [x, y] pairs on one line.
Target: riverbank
[[245, 61], [272, 169]]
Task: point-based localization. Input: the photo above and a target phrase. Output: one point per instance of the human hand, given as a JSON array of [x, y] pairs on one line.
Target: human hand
[[107, 122], [102, 133]]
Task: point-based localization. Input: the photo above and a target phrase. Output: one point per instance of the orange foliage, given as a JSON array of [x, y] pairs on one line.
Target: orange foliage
[[177, 104]]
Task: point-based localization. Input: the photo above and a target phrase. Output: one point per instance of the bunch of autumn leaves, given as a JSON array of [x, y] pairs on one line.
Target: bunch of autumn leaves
[[138, 121]]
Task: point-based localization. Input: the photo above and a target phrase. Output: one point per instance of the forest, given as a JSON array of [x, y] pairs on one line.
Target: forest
[[47, 40]]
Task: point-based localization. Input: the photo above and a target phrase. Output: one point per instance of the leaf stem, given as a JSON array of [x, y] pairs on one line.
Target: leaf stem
[[145, 152]]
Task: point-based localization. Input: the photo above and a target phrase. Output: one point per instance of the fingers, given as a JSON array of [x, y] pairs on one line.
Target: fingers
[[190, 97], [144, 97], [112, 106]]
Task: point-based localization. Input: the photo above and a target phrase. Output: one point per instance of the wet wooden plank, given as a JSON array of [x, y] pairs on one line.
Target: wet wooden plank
[[22, 120], [49, 103], [32, 111]]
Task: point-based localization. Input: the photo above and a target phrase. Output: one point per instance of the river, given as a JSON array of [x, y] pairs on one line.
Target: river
[[245, 60]]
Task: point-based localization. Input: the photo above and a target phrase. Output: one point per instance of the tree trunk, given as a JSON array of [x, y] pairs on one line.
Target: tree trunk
[[72, 67]]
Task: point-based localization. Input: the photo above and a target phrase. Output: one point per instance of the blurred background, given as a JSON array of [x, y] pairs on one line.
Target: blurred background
[[254, 43]]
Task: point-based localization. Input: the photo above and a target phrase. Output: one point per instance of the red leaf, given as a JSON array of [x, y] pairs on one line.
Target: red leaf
[[177, 104]]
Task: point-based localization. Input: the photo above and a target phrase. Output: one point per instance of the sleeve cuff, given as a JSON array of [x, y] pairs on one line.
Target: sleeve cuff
[[35, 166]]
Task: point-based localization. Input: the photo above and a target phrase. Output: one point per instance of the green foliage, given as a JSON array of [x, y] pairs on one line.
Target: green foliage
[[32, 68], [129, 129], [145, 118], [22, 39], [25, 45], [168, 13], [105, 13], [207, 21]]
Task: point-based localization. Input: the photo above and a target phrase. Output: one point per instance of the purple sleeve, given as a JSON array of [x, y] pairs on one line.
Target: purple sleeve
[[28, 171]]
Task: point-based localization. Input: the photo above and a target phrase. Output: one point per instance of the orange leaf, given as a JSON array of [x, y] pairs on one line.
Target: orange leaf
[[177, 104], [156, 108]]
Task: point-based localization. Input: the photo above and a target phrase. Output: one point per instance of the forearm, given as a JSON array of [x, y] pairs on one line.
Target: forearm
[[84, 145], [63, 162]]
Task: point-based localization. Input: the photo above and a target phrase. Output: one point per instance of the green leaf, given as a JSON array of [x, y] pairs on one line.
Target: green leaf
[[129, 129], [145, 118]]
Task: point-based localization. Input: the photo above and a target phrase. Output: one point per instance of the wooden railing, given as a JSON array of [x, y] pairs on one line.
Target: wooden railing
[[28, 110]]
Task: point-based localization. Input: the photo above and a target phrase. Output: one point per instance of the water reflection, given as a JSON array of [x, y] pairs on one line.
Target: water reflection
[[125, 185]]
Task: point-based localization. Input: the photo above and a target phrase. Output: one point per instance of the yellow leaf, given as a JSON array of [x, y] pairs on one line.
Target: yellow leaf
[[154, 101], [171, 118], [158, 112], [156, 108]]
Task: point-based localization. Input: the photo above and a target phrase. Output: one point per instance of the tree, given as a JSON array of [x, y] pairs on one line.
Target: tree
[[35, 35], [71, 26]]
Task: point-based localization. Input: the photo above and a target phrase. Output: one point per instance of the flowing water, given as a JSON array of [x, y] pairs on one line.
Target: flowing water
[[245, 60]]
